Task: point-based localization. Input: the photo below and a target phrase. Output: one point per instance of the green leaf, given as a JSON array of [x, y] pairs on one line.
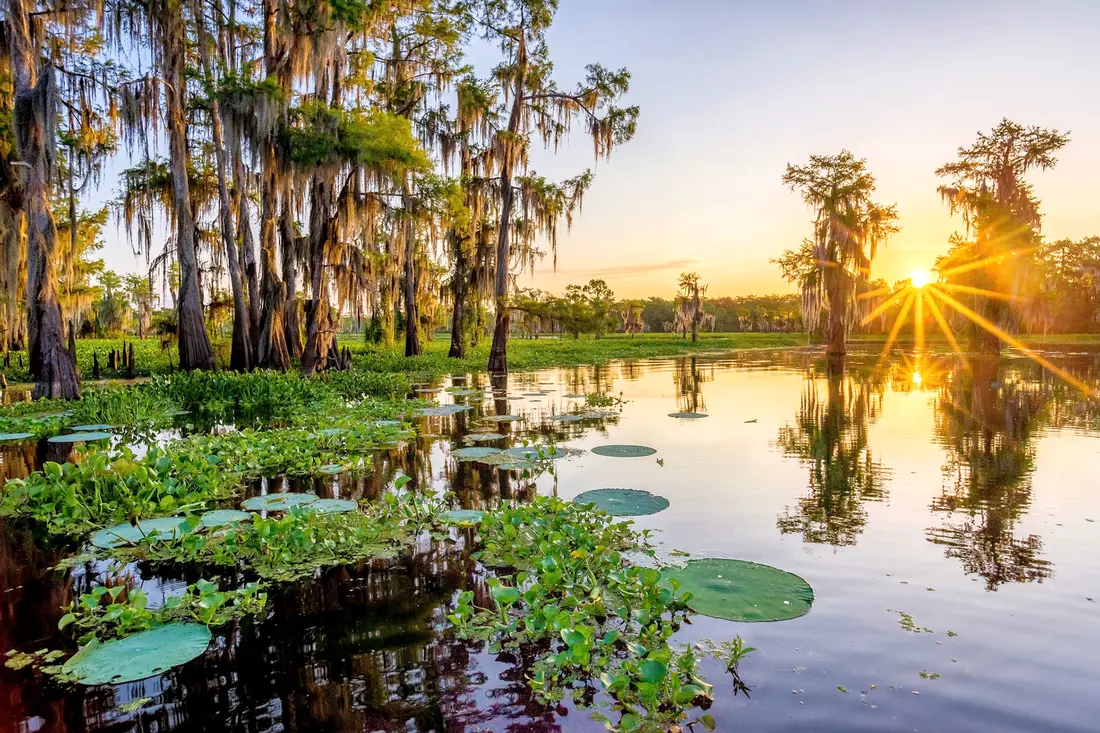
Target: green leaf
[[708, 723], [65, 621], [652, 671]]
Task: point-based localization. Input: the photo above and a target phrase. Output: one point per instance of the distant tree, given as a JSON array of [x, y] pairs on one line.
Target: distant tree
[[112, 311], [848, 229], [692, 291], [140, 292], [601, 302], [630, 313]]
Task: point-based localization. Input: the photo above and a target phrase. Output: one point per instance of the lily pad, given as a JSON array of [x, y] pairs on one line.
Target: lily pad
[[502, 418], [223, 517], [599, 414], [138, 656], [91, 428], [463, 516], [473, 453], [507, 462], [442, 410], [388, 423], [688, 415], [428, 390], [79, 437], [332, 506], [331, 431], [15, 436], [278, 502], [624, 451], [482, 437], [738, 590], [161, 528], [624, 502], [542, 452], [332, 469]]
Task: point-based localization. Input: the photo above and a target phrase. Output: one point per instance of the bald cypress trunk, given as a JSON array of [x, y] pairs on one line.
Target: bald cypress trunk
[[412, 315], [34, 117], [194, 343], [292, 322], [318, 328]]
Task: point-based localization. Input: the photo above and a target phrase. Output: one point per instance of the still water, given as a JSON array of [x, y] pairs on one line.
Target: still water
[[947, 515]]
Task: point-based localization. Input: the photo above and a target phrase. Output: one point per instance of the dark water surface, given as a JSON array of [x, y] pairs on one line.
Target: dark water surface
[[946, 515]]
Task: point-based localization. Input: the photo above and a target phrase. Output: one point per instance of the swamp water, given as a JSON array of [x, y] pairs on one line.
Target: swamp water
[[948, 521]]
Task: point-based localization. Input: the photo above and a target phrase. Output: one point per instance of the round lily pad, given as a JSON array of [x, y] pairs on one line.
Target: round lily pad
[[542, 453], [161, 528], [738, 590], [278, 502], [331, 431], [463, 516], [332, 506], [473, 453], [624, 502], [91, 428], [15, 436], [688, 415], [598, 414], [482, 437], [624, 451], [331, 469], [79, 437], [429, 390], [501, 418], [442, 410], [388, 423], [138, 656], [223, 517]]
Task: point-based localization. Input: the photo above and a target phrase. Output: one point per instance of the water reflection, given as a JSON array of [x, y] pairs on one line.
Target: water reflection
[[830, 436], [987, 417], [689, 379]]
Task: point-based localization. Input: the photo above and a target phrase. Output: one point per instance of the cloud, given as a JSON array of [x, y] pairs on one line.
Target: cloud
[[624, 270]]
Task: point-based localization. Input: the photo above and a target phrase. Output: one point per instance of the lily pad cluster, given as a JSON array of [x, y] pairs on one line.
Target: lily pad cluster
[[623, 502]]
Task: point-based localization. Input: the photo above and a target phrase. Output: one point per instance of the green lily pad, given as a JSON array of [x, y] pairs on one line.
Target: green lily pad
[[623, 502], [738, 590], [473, 453], [91, 428], [79, 437], [331, 469], [542, 452], [624, 451], [278, 502], [428, 390], [599, 414], [482, 437], [502, 418], [332, 506], [442, 410], [332, 431], [17, 436], [161, 528], [138, 656], [463, 516], [688, 415], [388, 423], [223, 517]]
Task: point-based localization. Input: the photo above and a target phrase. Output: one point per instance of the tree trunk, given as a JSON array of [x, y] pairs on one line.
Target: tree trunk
[[498, 355], [33, 118], [292, 322], [318, 329], [194, 343], [248, 248], [412, 333], [271, 352], [835, 328], [240, 358], [458, 296]]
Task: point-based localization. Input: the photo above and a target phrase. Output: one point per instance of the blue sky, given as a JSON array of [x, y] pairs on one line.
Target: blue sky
[[730, 92]]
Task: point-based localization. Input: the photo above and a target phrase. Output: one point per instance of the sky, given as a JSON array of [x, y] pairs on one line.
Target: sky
[[731, 91]]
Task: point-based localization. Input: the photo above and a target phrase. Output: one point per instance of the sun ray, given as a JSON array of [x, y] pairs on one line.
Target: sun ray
[[897, 326], [918, 321], [992, 259], [873, 293], [1015, 343], [882, 307], [953, 287], [945, 327]]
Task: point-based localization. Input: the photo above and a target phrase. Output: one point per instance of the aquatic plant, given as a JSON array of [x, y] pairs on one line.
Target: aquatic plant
[[138, 656], [738, 590], [623, 502]]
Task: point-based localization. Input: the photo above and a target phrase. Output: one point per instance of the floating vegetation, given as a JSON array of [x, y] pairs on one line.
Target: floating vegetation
[[332, 469], [565, 418], [79, 437], [501, 418], [624, 451], [623, 502], [688, 415], [138, 656], [428, 390], [222, 517], [331, 431], [483, 437], [474, 453], [95, 427], [738, 590], [442, 410], [278, 502], [599, 414], [463, 516], [151, 530], [332, 506], [15, 436], [542, 452]]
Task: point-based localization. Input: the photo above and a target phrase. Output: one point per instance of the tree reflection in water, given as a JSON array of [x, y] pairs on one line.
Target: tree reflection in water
[[689, 380], [986, 418], [829, 436]]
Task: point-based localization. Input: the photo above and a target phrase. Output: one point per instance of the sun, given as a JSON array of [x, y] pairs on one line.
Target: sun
[[920, 278]]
